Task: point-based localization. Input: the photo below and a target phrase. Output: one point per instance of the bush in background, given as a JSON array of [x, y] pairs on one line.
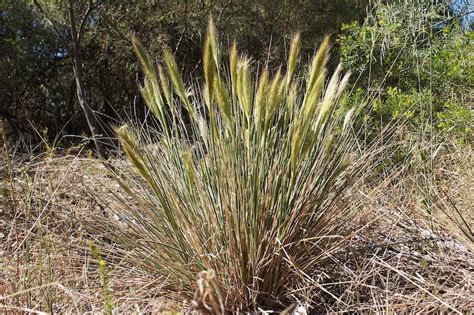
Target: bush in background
[[416, 62]]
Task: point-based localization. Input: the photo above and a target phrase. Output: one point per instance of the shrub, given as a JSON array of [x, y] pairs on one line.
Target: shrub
[[419, 60], [242, 184]]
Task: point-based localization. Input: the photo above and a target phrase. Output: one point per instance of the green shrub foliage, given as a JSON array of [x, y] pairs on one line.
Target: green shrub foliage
[[418, 61]]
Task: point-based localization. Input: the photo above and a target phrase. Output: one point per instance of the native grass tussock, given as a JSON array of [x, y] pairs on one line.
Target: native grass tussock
[[251, 187]]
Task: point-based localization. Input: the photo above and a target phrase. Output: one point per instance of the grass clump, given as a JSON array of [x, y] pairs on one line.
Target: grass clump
[[243, 183]]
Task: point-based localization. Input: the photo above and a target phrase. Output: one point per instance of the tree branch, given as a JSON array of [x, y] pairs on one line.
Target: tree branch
[[61, 37], [90, 8]]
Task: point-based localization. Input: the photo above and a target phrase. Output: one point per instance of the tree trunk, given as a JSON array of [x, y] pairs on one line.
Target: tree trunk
[[80, 87]]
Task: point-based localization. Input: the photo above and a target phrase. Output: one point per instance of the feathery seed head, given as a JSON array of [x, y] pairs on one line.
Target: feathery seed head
[[292, 58]]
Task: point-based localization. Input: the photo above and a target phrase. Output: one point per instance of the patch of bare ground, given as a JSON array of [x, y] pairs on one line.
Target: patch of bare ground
[[410, 256]]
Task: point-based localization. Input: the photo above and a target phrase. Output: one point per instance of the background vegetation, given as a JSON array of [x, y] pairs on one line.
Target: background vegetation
[[38, 88], [415, 60]]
